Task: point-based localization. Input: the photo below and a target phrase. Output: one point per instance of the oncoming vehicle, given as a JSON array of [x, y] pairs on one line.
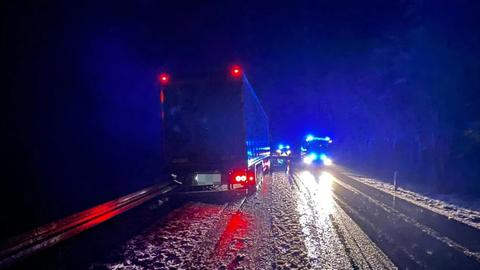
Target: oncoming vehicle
[[315, 150]]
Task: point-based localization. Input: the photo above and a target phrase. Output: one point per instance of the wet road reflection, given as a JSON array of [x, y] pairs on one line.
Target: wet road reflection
[[316, 207], [321, 187]]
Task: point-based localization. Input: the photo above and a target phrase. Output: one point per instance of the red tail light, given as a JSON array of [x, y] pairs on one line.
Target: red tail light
[[242, 177]]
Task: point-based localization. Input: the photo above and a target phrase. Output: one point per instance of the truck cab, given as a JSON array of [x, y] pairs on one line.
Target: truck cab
[[316, 151]]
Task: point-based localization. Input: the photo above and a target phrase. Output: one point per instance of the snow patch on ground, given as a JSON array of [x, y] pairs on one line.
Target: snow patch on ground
[[447, 205], [168, 245]]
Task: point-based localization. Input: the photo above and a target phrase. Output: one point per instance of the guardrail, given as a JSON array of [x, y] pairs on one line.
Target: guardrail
[[45, 236]]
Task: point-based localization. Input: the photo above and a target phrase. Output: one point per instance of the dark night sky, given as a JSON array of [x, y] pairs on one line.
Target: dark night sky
[[82, 123]]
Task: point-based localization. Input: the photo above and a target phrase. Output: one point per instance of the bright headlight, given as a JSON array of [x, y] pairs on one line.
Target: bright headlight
[[307, 160], [327, 162]]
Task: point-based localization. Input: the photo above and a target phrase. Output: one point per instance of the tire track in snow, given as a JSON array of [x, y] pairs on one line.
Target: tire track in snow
[[353, 249], [289, 244]]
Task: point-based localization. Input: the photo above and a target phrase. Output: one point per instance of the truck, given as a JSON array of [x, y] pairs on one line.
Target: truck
[[215, 130], [316, 151]]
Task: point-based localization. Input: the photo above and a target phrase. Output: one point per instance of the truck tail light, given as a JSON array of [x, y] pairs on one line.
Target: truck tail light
[[242, 177]]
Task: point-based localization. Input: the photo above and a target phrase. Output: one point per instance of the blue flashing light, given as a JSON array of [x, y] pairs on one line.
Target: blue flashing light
[[288, 146], [280, 146], [327, 138], [309, 137], [323, 157]]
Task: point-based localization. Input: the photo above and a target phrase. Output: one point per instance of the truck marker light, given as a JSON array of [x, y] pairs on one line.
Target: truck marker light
[[164, 78], [236, 71]]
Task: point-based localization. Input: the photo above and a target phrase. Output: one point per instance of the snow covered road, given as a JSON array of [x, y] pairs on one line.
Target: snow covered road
[[413, 236], [313, 219], [291, 223]]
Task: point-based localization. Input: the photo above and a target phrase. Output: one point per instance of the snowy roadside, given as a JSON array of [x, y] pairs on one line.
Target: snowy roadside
[[450, 206]]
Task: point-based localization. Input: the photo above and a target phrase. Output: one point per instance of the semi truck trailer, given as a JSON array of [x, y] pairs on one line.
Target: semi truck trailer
[[215, 130]]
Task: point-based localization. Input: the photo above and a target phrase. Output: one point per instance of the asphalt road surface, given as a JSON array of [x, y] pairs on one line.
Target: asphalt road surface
[[302, 219]]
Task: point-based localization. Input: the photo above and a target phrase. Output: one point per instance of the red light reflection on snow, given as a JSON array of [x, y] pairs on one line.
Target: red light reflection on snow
[[264, 191], [233, 237]]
